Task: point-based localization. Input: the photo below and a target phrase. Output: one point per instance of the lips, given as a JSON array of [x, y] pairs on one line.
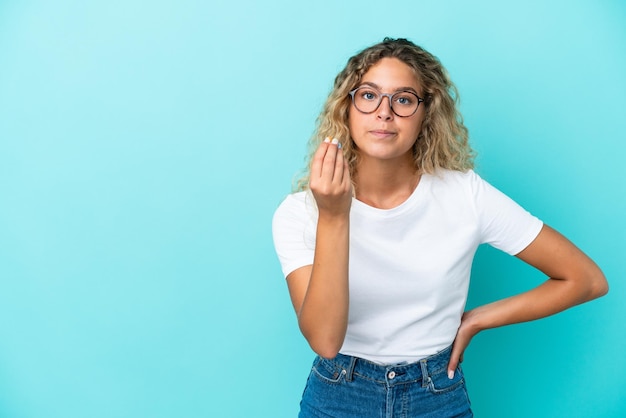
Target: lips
[[382, 133]]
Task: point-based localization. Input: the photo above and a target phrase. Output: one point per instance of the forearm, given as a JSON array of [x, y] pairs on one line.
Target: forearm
[[553, 296], [575, 279], [323, 317]]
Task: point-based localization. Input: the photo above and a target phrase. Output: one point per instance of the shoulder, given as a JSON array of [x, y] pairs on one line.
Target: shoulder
[[299, 205], [468, 181], [292, 201], [465, 187], [446, 175]]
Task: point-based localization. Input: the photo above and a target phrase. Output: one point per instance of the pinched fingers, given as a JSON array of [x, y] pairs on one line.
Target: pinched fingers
[[328, 166], [330, 178]]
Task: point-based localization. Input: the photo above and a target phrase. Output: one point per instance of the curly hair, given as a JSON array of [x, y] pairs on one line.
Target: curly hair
[[443, 139]]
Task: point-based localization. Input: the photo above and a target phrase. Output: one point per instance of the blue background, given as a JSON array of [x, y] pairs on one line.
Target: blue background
[[145, 145]]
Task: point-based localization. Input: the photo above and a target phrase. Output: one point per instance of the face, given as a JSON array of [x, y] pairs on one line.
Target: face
[[382, 134]]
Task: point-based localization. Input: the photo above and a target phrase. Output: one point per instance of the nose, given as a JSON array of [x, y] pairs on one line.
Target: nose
[[384, 111]]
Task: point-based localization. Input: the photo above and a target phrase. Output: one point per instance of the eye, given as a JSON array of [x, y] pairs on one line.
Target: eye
[[405, 99], [368, 95]]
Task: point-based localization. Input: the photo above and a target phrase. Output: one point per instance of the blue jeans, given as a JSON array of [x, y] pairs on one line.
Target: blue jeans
[[348, 386]]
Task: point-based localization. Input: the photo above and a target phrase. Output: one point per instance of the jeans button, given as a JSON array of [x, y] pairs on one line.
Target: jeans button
[[391, 375]]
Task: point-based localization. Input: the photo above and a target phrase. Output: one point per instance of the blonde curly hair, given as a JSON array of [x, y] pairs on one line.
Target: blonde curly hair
[[443, 139]]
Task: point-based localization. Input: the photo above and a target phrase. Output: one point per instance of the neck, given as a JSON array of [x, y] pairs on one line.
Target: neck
[[385, 184]]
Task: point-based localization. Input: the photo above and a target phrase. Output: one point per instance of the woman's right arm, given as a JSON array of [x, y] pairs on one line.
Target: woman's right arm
[[319, 292]]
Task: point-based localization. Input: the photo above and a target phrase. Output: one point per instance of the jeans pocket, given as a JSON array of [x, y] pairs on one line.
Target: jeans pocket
[[328, 371], [439, 382]]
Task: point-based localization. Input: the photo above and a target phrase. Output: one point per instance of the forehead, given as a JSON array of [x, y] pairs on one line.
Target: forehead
[[391, 74]]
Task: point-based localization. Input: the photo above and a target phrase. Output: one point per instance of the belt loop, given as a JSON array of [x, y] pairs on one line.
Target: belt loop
[[350, 368], [425, 376]]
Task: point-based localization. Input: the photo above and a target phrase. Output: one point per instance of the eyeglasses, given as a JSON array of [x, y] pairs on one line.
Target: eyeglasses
[[367, 99]]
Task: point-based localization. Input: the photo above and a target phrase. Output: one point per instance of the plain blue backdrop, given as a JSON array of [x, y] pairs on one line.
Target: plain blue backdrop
[[144, 146]]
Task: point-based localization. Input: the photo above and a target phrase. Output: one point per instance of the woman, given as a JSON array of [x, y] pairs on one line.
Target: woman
[[378, 241]]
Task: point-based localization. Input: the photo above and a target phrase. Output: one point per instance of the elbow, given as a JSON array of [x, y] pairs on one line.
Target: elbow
[[598, 285], [324, 337], [327, 348], [326, 345], [326, 352]]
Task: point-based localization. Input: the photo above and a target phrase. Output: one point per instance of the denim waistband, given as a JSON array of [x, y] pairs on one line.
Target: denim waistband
[[389, 374]]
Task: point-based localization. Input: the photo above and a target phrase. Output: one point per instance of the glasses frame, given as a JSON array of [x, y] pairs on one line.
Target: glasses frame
[[380, 100]]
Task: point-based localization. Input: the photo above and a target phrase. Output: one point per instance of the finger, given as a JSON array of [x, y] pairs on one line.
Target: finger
[[329, 160], [455, 356], [346, 182], [318, 158], [339, 166], [452, 365]]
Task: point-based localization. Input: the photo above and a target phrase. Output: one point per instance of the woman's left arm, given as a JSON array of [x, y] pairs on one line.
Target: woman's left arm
[[573, 279]]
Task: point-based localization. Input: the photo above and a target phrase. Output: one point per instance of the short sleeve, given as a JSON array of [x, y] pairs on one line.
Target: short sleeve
[[504, 224], [293, 230]]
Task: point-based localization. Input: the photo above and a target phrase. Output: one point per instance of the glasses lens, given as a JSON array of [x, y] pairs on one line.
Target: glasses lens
[[366, 99], [404, 103]]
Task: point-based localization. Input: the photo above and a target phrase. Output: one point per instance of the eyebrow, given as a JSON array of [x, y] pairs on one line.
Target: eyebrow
[[376, 86]]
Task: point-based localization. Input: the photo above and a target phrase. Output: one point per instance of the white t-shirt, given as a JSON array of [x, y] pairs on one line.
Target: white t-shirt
[[409, 266]]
